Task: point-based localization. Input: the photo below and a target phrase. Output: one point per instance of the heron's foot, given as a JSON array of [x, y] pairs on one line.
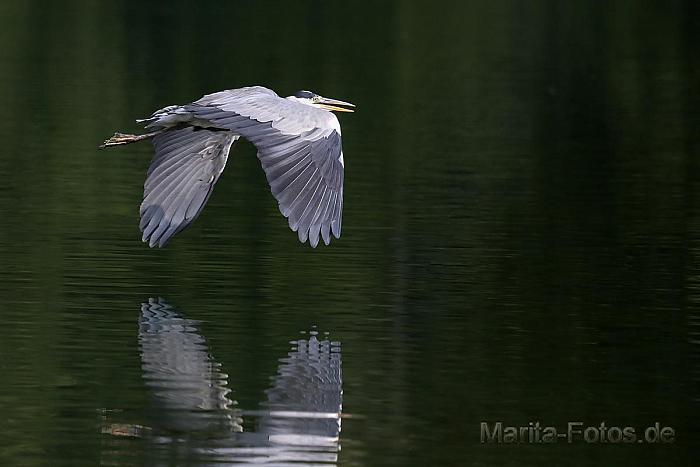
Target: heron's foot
[[123, 138]]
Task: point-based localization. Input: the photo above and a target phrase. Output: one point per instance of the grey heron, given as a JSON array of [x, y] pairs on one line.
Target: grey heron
[[299, 147]]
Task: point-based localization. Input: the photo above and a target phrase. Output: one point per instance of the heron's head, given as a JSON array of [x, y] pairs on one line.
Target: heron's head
[[314, 100]]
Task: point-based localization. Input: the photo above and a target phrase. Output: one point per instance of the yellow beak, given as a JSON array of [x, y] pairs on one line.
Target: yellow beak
[[335, 105]]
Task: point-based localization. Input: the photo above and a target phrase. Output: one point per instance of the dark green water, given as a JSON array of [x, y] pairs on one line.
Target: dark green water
[[521, 238]]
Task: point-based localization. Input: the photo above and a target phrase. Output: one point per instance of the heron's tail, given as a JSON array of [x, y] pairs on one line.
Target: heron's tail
[[120, 138]]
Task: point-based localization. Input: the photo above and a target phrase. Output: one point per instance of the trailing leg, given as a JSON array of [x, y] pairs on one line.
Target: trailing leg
[[121, 138]]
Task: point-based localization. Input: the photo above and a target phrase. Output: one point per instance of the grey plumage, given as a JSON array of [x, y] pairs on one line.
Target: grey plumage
[[299, 147], [180, 180]]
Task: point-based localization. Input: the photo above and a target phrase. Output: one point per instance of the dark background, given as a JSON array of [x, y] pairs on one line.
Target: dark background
[[520, 237]]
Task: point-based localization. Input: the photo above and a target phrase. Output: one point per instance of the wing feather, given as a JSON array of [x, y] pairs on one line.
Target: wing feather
[[299, 148], [304, 205], [187, 163], [297, 188]]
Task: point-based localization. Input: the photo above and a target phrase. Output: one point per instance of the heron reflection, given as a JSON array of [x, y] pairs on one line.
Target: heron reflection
[[188, 388], [194, 419]]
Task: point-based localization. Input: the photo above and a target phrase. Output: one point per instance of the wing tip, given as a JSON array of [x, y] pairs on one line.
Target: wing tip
[[315, 234], [336, 228], [303, 235], [325, 233], [155, 242]]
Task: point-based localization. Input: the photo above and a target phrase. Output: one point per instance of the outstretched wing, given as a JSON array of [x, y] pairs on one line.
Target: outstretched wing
[[186, 165], [300, 150]]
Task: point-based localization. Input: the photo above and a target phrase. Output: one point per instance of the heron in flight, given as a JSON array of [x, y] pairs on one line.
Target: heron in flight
[[299, 147]]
